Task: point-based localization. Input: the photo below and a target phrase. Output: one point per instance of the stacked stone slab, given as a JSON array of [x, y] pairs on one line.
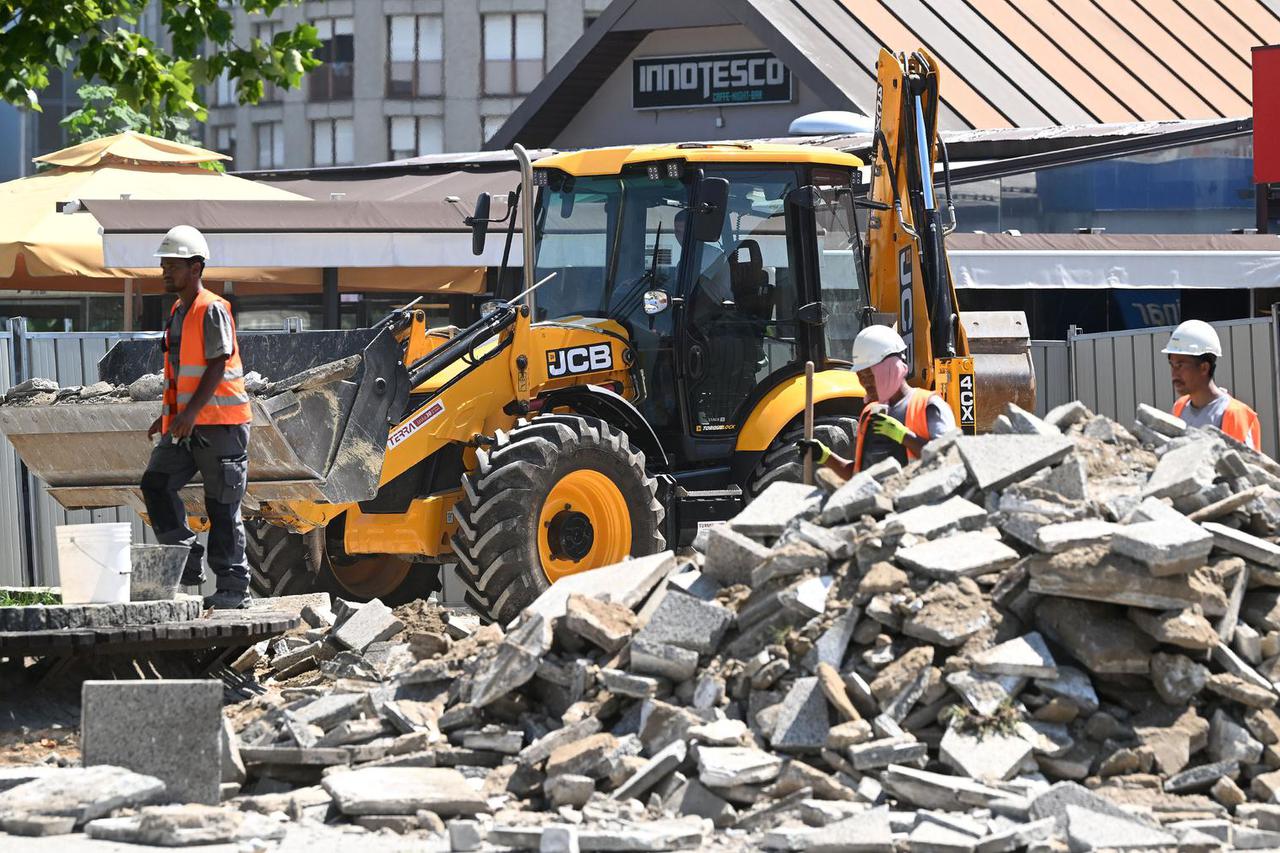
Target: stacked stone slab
[[1062, 636]]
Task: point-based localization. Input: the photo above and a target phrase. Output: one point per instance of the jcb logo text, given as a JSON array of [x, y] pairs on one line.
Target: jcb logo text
[[572, 360]]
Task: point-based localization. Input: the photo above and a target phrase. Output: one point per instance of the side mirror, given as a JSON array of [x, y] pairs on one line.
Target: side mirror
[[480, 223], [711, 210]]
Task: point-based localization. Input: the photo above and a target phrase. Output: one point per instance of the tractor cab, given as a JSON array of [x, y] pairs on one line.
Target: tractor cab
[[727, 265]]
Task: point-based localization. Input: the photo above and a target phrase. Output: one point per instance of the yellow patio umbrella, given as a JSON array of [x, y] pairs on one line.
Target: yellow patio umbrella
[[44, 247]]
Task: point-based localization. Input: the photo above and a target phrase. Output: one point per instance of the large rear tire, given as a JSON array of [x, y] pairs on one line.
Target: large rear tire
[[282, 562], [781, 462], [555, 496]]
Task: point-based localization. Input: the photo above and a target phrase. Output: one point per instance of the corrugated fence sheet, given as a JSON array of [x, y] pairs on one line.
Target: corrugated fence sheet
[[1053, 374], [12, 563], [1113, 372]]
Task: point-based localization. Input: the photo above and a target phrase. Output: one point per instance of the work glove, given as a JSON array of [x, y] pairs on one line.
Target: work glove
[[891, 428], [821, 453]]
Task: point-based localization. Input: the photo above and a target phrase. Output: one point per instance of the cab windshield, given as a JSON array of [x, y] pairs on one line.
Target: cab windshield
[[587, 233]]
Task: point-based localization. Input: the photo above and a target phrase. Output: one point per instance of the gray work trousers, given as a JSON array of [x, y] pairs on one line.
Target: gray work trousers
[[224, 466]]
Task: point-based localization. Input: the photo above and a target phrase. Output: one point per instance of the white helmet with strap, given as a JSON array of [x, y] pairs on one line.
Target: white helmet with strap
[[1194, 337], [183, 241], [874, 344]]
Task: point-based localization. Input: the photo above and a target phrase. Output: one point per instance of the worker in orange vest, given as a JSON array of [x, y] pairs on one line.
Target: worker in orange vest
[[1194, 350], [900, 421], [204, 425]]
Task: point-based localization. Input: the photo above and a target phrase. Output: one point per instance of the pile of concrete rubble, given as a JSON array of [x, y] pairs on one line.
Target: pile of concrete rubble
[[1062, 636], [47, 392]]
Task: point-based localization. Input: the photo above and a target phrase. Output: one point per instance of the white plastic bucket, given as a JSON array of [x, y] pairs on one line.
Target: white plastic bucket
[[94, 562]]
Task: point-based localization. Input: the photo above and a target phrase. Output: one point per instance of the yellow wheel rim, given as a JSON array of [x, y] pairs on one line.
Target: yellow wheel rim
[[370, 577], [584, 524]]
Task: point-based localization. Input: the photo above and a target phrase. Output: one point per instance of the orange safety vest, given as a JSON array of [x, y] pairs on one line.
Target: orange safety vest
[[230, 402], [917, 420], [1238, 421]]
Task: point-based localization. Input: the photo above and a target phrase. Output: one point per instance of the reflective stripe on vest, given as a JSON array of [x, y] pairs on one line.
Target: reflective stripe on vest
[[917, 421], [1238, 421], [230, 402]]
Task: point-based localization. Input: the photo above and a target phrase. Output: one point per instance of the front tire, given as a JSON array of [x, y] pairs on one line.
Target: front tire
[[781, 462], [555, 496]]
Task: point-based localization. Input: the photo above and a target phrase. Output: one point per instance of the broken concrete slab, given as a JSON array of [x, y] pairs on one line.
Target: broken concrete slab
[[859, 496], [1094, 574], [626, 583], [1095, 635], [989, 757], [997, 461], [1026, 656], [403, 790], [372, 623], [1164, 547], [82, 793], [775, 507], [1184, 470], [932, 520], [662, 659], [602, 623], [1056, 538], [949, 614], [169, 729], [961, 555], [687, 622], [665, 762], [803, 722], [932, 487], [926, 789], [985, 693], [515, 662], [1243, 544], [1186, 628], [729, 766], [1091, 830], [186, 825]]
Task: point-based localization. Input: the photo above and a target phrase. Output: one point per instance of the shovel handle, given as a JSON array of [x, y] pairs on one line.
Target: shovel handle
[[808, 421]]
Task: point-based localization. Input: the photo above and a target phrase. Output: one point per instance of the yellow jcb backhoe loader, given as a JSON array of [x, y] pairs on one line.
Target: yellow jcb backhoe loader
[[647, 377]]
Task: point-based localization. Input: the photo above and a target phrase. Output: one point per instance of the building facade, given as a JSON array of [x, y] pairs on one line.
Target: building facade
[[401, 78]]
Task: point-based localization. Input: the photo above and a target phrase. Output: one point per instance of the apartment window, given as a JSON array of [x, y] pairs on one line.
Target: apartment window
[[489, 125], [266, 31], [514, 50], [415, 45], [414, 136], [224, 140], [332, 81], [333, 142], [270, 138], [224, 91]]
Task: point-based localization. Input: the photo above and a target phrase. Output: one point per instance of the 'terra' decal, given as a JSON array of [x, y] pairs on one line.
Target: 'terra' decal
[[968, 413], [408, 428], [587, 359]]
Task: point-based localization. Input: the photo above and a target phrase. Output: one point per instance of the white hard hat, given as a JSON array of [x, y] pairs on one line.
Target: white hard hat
[[874, 344], [183, 241], [1194, 337]]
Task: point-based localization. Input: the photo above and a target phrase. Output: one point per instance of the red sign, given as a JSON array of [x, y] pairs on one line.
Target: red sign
[[1266, 114]]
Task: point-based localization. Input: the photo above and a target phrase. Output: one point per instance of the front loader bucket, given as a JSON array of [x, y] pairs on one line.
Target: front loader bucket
[[319, 433], [1003, 372]]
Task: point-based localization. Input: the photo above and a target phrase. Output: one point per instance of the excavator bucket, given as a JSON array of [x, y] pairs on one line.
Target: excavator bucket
[[1003, 372], [319, 432]]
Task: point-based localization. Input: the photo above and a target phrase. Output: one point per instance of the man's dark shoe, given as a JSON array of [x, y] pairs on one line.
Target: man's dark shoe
[[189, 579], [225, 599]]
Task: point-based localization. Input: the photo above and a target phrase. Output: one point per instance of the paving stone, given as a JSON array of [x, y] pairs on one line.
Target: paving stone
[[1094, 574], [514, 664], [327, 711], [1242, 544], [1067, 482], [1184, 470], [930, 837], [687, 622], [662, 659], [663, 764], [804, 720], [628, 684], [169, 729], [930, 521], [961, 555], [568, 789], [932, 487], [1056, 538], [372, 623], [1091, 830], [997, 461], [787, 559], [728, 766], [1161, 421], [1187, 629], [834, 642], [541, 749], [1074, 686], [602, 623], [1095, 635], [770, 512], [929, 790], [885, 752], [695, 799], [1230, 741], [1025, 656], [403, 791], [1165, 547], [857, 497], [1177, 678], [626, 583], [985, 693], [186, 825], [695, 583], [989, 757], [949, 614], [82, 793]]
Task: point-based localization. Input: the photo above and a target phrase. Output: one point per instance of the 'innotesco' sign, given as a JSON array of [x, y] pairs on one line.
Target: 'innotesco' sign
[[709, 80]]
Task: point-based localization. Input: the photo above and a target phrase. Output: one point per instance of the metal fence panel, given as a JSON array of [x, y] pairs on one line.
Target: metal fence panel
[[1115, 371], [1053, 374], [12, 563], [71, 358]]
